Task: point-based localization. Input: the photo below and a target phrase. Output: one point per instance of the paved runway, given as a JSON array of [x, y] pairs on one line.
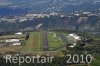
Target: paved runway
[[45, 42]]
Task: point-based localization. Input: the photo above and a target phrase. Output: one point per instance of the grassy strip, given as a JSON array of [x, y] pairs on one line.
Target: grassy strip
[[27, 48], [33, 44], [37, 41], [8, 49], [12, 36], [53, 42]]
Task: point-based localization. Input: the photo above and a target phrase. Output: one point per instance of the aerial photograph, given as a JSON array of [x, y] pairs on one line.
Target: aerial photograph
[[49, 32]]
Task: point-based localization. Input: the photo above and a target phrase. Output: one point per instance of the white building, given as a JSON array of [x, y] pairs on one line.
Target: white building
[[18, 33], [15, 44], [75, 36], [72, 46], [12, 40]]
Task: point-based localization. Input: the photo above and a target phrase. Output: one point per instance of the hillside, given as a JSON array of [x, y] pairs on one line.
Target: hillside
[[47, 6]]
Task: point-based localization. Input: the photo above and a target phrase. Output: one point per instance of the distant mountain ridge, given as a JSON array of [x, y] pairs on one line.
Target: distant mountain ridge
[[48, 6]]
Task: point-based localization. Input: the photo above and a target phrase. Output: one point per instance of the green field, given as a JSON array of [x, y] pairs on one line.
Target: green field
[[54, 41], [33, 44]]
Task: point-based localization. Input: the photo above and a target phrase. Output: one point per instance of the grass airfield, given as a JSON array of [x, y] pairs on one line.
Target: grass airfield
[[37, 42], [43, 43]]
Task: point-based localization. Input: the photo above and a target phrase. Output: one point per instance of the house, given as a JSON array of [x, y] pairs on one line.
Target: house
[[18, 33]]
